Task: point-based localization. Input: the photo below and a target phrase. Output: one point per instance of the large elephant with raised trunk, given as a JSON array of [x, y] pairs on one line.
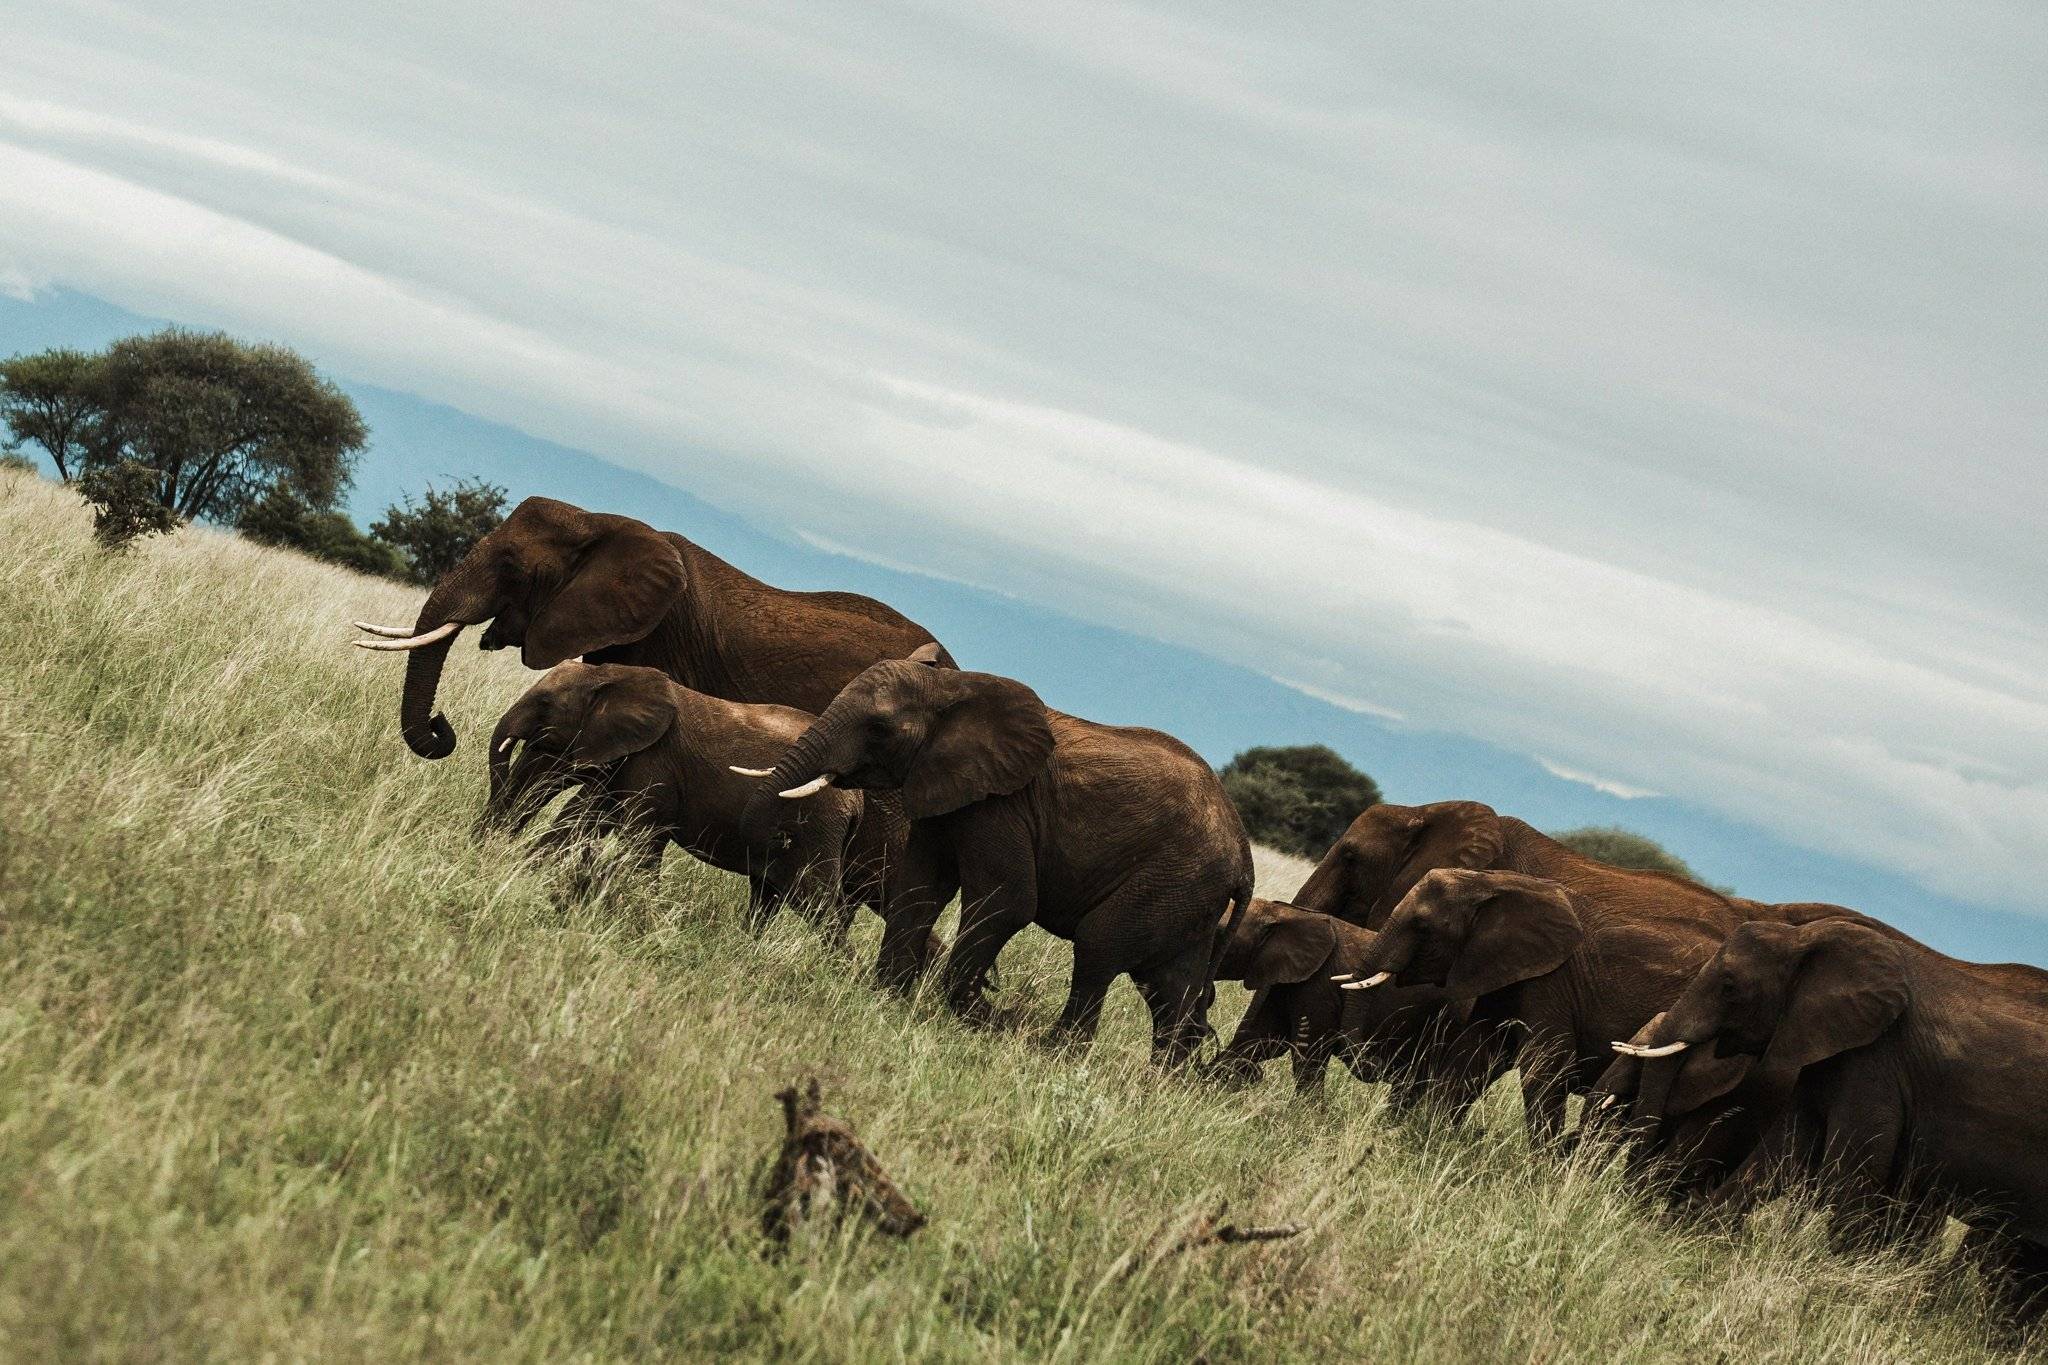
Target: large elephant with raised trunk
[[655, 760], [557, 582], [1117, 839]]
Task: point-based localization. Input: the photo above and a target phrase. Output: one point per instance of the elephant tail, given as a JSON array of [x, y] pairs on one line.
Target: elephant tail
[[1233, 915]]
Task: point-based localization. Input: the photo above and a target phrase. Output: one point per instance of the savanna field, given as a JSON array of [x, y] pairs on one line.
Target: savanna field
[[292, 1065]]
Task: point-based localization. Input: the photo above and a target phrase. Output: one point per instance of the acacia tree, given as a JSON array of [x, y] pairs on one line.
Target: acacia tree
[[220, 423], [51, 398]]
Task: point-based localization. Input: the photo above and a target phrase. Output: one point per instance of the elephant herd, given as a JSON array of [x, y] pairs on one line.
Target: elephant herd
[[831, 751]]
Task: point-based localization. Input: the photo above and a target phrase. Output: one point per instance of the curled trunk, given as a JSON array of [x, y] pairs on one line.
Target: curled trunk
[[455, 598]]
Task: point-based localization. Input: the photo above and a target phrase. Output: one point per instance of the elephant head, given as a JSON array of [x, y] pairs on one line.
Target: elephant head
[[1386, 851], [1790, 995], [1276, 944], [554, 580], [1649, 1088], [1472, 933], [577, 718], [942, 737]]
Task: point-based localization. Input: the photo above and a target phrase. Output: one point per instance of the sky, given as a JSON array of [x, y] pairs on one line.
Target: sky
[[1657, 391]]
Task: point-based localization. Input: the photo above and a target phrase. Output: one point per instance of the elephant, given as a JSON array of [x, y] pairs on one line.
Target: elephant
[[1898, 1078], [1388, 849], [658, 756], [1699, 1114], [1288, 956], [1115, 838], [557, 583], [1685, 1117], [1570, 974]]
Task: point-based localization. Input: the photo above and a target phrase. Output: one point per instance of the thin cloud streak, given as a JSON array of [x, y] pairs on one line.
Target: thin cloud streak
[[1660, 393]]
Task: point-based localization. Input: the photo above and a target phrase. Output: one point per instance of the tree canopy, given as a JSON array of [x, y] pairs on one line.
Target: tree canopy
[[438, 530], [1618, 847], [219, 423], [1297, 798]]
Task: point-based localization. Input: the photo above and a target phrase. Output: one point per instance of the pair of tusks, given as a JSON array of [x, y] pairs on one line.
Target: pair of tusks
[[810, 788], [1638, 1050], [1351, 984], [400, 637]]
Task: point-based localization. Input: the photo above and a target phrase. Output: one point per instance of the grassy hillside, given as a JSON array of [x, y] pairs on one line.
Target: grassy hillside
[[291, 1066]]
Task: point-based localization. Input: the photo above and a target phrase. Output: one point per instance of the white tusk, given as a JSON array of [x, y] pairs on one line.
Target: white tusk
[[1376, 979], [413, 641], [1345, 976], [1605, 1101], [750, 772], [507, 743], [815, 785], [1637, 1050], [388, 632]]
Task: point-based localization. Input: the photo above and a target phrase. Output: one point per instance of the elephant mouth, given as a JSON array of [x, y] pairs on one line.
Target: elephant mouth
[[500, 636]]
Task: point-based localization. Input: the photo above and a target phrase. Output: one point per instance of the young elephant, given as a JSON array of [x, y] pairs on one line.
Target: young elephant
[[653, 759], [1906, 1075], [1117, 839], [1686, 1115], [1529, 952], [1403, 1035]]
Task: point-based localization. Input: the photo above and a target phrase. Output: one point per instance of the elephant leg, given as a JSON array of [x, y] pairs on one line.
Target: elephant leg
[[998, 897], [1544, 1060], [1261, 1036], [1086, 990], [1311, 1063], [816, 891], [919, 891], [764, 898], [1179, 993]]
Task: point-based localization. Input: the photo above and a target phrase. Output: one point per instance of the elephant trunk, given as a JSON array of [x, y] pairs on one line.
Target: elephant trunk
[[804, 770], [456, 600], [515, 725]]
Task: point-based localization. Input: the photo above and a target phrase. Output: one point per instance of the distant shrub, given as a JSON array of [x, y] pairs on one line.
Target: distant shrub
[[437, 531], [127, 504], [281, 518], [14, 462], [1297, 798], [1618, 847]]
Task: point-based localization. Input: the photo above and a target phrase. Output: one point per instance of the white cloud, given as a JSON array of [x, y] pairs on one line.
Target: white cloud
[[1596, 782], [1662, 393]]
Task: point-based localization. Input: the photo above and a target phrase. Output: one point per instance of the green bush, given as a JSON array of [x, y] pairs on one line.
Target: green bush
[[1618, 847], [437, 531], [1297, 798], [283, 519], [125, 503]]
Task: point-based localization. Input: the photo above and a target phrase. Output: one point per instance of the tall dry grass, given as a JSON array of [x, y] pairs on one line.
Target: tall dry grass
[[290, 1066]]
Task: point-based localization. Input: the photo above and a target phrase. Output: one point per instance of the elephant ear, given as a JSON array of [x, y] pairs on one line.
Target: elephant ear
[[626, 715], [1293, 949], [620, 585], [930, 655], [1523, 928], [1850, 987], [990, 738], [1700, 1079], [1462, 834]]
